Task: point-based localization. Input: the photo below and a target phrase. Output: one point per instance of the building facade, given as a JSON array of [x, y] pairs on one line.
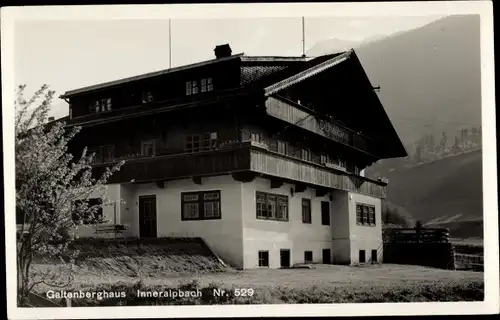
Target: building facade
[[262, 157]]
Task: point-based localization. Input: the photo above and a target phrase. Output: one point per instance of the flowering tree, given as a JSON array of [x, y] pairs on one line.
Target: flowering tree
[[52, 192]]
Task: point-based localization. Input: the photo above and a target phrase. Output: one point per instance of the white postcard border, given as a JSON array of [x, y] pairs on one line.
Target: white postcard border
[[9, 15]]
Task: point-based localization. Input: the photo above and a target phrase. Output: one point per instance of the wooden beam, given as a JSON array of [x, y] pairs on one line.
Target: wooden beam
[[160, 184], [197, 180], [245, 176], [300, 187], [276, 183]]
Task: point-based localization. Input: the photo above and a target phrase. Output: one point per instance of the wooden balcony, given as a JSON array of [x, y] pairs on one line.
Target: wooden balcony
[[274, 164], [242, 157], [179, 166], [288, 112]]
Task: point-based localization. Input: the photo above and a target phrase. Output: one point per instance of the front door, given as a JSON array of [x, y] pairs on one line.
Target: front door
[[285, 258], [147, 216], [327, 256], [374, 256]]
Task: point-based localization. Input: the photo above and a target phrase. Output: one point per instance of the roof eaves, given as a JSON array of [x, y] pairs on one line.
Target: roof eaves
[[273, 59], [146, 76], [301, 76]]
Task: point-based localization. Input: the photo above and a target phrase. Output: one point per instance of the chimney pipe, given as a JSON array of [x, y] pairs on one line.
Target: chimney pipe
[[223, 50], [51, 118]]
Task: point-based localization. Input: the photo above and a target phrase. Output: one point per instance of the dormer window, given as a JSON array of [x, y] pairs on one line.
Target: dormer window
[[147, 96], [100, 105], [191, 88], [207, 85]]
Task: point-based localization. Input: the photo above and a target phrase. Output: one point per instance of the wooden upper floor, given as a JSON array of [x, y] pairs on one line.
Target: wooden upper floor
[[321, 113], [329, 96]]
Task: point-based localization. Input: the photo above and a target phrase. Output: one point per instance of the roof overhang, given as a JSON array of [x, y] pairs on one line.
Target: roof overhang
[[301, 76], [149, 75], [396, 148]]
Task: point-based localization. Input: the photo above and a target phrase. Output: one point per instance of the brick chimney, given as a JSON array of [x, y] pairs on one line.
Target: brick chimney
[[223, 50], [51, 119]]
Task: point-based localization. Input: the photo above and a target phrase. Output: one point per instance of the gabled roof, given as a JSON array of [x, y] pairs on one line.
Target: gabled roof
[[147, 75], [391, 139], [253, 68], [296, 78]]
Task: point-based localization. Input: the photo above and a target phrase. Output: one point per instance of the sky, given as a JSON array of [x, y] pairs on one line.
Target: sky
[[68, 55]]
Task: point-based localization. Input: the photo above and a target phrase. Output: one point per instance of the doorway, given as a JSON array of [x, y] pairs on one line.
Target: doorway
[[327, 256], [374, 256], [362, 256], [147, 216], [285, 258]]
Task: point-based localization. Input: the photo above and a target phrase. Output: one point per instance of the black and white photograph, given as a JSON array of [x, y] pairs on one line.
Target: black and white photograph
[[250, 160]]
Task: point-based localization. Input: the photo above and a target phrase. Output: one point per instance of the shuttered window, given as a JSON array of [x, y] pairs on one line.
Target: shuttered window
[[365, 215]]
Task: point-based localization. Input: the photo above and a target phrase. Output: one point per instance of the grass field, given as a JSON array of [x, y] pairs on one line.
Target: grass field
[[323, 283]]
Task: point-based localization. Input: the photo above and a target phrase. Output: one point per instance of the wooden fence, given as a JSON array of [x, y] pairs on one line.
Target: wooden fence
[[416, 235], [419, 246], [469, 262]]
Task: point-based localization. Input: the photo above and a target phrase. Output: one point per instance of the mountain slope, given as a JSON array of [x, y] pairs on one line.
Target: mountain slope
[[429, 76], [446, 192]]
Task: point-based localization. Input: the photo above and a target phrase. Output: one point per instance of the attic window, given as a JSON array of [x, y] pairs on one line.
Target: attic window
[[100, 105], [207, 85], [147, 96], [191, 87]]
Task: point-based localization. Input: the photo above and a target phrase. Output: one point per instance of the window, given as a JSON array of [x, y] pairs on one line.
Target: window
[[207, 85], [271, 206], [191, 87], [89, 212], [201, 142], [306, 154], [337, 162], [356, 170], [362, 256], [359, 216], [323, 159], [282, 146], [263, 258], [203, 205], [147, 96], [365, 215], [257, 137], [148, 147], [102, 154], [306, 210], [371, 215], [325, 213], [209, 141], [100, 105], [342, 163], [308, 256]]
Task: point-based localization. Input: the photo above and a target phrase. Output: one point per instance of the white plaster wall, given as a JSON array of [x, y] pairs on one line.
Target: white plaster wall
[[128, 218], [366, 238], [341, 227], [268, 235], [113, 192], [224, 235]]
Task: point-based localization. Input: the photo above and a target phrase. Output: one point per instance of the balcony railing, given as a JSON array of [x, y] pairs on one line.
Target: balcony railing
[[288, 112], [183, 165], [277, 165]]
